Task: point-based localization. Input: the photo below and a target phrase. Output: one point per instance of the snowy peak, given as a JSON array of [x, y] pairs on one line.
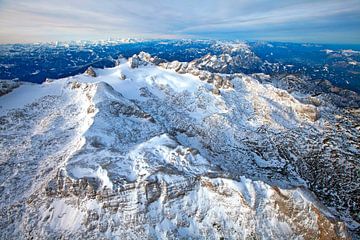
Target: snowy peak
[[160, 149]]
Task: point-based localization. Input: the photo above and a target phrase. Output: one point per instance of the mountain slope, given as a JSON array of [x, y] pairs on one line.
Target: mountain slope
[[167, 151]]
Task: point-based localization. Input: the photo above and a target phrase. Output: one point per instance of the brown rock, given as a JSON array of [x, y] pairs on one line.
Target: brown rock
[[216, 91], [218, 81], [90, 72], [227, 84]]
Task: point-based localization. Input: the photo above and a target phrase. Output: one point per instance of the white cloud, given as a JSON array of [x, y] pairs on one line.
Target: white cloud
[[26, 21]]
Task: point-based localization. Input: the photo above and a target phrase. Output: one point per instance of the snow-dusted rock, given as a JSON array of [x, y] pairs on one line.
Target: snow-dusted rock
[[90, 72], [134, 61], [158, 155], [7, 86], [122, 76]]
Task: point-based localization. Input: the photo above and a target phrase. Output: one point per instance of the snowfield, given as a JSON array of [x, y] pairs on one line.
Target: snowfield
[[144, 151]]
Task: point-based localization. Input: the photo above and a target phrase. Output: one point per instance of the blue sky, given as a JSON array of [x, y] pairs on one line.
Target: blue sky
[[319, 21]]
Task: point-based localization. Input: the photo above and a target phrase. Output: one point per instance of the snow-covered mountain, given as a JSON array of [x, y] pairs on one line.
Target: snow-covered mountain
[[36, 62], [168, 150]]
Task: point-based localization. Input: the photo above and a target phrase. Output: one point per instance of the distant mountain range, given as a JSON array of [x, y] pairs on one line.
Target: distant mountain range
[[340, 64]]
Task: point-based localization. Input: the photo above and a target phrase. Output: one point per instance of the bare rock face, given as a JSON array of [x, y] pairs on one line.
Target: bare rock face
[[216, 91], [122, 76], [218, 81], [143, 59], [205, 76], [134, 61], [309, 112], [314, 101], [90, 72], [227, 84], [175, 65], [232, 60], [194, 71]]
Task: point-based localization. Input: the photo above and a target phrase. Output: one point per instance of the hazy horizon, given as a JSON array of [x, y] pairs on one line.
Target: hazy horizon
[[354, 46]]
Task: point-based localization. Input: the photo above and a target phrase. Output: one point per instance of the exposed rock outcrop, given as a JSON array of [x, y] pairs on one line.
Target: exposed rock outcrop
[[7, 86], [90, 72]]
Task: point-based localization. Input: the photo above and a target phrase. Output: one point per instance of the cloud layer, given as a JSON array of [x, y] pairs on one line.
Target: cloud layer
[[327, 21]]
